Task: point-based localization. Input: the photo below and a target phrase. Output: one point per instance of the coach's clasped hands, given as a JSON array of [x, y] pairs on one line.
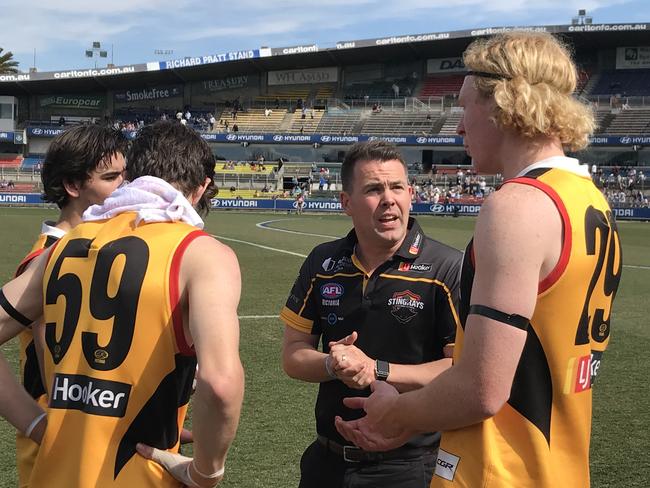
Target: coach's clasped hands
[[181, 467], [350, 364]]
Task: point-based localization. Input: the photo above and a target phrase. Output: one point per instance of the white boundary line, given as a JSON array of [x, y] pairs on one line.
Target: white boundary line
[[265, 226], [268, 248]]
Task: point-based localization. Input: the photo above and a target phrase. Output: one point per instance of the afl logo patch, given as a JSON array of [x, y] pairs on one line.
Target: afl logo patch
[[331, 291]]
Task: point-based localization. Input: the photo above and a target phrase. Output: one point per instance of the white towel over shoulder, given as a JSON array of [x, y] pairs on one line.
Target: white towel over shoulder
[[152, 198]]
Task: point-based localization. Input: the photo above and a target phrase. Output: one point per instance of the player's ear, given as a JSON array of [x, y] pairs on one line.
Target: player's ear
[[196, 195], [72, 188], [345, 202]]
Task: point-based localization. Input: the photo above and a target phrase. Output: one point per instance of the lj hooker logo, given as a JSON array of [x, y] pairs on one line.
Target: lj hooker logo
[[404, 305]]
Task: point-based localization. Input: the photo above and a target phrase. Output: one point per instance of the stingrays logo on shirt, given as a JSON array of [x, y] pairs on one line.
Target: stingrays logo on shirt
[[404, 305]]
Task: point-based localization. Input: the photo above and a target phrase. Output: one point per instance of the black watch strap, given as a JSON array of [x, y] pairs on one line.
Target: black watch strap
[[382, 369]]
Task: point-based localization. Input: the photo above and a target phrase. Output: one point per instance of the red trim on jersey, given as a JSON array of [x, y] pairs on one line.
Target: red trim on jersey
[[562, 263], [174, 293], [28, 259], [52, 247]]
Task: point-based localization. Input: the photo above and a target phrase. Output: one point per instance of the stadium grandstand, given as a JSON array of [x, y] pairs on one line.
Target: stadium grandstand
[[280, 123]]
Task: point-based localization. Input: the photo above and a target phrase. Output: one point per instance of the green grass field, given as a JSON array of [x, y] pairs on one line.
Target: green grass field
[[278, 422]]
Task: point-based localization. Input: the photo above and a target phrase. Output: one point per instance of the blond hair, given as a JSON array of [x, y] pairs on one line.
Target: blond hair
[[534, 87]]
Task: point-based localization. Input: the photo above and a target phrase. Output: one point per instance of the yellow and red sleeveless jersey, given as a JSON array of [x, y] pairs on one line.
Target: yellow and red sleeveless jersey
[[540, 438], [27, 449], [117, 365]]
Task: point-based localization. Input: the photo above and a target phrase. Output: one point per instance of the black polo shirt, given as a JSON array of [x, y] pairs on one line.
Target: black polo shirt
[[404, 313]]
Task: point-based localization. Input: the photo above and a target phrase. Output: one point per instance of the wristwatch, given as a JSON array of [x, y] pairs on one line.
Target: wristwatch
[[382, 370]]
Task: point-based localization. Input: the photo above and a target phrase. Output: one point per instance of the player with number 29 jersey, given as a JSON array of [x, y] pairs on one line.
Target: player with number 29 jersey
[[542, 433], [118, 366]]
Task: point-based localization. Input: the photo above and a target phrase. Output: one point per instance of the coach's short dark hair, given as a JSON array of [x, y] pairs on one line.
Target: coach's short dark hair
[[367, 151], [74, 154], [176, 154]]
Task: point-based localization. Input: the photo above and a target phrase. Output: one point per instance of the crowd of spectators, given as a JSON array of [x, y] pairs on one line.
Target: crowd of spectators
[[256, 166]]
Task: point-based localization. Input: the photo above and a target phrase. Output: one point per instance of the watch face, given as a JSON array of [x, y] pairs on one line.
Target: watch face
[[381, 370]]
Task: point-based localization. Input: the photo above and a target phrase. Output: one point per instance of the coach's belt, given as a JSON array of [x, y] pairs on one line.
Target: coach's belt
[[352, 454]]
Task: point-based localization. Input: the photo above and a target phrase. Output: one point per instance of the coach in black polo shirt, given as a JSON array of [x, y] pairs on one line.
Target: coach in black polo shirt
[[383, 302]]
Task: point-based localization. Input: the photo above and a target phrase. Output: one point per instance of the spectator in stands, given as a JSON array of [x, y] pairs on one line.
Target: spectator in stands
[[267, 112], [62, 121], [235, 128], [11, 185], [303, 113], [395, 88], [300, 203]]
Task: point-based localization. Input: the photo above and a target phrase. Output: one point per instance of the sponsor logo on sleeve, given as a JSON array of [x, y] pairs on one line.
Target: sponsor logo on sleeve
[[404, 305], [90, 395], [446, 465]]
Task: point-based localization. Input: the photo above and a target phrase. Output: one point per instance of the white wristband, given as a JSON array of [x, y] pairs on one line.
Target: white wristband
[[328, 368], [35, 422], [210, 476]]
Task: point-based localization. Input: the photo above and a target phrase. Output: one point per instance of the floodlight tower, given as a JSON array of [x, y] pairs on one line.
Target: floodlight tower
[[96, 51], [582, 18]]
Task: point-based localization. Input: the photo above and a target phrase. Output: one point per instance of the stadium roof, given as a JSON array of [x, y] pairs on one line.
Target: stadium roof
[[355, 52]]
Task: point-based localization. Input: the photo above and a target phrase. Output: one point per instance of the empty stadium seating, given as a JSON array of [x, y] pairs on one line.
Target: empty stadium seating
[[450, 124], [337, 121], [630, 122], [400, 123], [627, 82], [440, 85], [253, 120], [32, 162], [308, 125], [10, 161]]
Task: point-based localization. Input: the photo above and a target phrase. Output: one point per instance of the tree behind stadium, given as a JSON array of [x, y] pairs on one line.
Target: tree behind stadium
[[7, 63]]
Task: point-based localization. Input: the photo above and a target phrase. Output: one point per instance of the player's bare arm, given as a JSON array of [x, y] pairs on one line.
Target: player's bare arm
[[211, 284], [22, 303]]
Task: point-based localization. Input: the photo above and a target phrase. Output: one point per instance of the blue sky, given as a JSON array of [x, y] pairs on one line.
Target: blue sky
[[61, 31]]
